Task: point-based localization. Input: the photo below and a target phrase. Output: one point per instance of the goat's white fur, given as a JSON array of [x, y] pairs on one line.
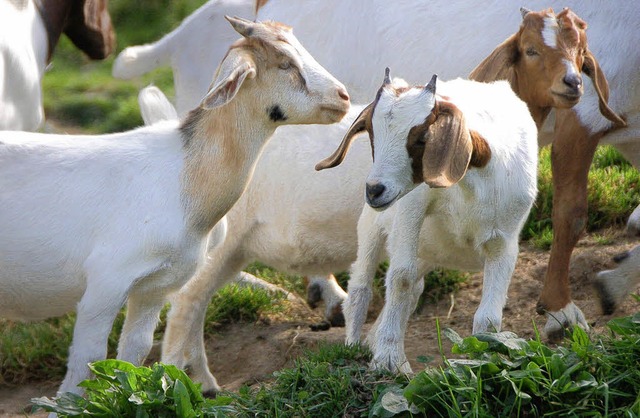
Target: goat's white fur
[[92, 221], [471, 225], [23, 58]]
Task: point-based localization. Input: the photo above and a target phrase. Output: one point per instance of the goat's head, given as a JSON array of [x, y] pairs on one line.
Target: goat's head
[[415, 136], [86, 22], [543, 62], [284, 82]]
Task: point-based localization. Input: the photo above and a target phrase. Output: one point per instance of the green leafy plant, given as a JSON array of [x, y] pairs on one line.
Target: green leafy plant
[[504, 376], [120, 389]]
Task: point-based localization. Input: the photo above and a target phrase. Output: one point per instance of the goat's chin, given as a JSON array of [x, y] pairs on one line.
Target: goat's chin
[[565, 101], [382, 203], [333, 114]]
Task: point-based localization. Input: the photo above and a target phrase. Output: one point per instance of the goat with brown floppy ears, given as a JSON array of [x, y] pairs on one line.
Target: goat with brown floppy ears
[[90, 222], [29, 32], [563, 43], [452, 183]]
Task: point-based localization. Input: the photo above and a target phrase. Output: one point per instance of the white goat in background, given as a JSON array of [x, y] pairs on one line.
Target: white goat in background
[[29, 32], [464, 156], [90, 222]]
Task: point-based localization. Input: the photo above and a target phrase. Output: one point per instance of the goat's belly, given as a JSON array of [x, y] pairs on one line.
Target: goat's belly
[[33, 297], [443, 244], [451, 256]]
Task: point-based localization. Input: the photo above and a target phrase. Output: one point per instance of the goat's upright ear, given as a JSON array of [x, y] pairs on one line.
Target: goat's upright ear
[[231, 75], [500, 64], [591, 68], [448, 147], [359, 125]]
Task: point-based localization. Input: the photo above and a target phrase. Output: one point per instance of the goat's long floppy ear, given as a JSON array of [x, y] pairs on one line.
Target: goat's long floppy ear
[[448, 147], [340, 153], [89, 28], [591, 68], [499, 65], [231, 75]]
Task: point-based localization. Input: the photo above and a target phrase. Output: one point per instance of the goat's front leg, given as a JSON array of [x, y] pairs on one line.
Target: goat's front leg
[[96, 312], [359, 290], [183, 342], [501, 254], [571, 155], [402, 284]]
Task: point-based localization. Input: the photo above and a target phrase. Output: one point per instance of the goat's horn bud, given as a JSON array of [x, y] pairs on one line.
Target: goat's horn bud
[[387, 79], [431, 87], [524, 11]]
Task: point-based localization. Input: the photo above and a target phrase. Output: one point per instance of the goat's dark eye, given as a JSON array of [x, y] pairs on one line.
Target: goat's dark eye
[[285, 65], [531, 52]]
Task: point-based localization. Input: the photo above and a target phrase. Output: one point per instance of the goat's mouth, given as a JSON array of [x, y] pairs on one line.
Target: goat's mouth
[[336, 112], [380, 205], [569, 98]]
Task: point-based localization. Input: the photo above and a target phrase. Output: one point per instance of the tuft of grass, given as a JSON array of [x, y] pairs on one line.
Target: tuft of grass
[[235, 303], [611, 194], [333, 381]]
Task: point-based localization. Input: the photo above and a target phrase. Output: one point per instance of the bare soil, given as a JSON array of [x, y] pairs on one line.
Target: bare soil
[[248, 353]]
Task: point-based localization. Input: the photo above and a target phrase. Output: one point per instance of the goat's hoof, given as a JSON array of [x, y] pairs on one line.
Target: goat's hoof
[[337, 317], [211, 394], [314, 295], [320, 326], [607, 301]]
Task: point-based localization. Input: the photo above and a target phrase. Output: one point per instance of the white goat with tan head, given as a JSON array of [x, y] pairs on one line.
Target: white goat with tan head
[[90, 222], [452, 183]]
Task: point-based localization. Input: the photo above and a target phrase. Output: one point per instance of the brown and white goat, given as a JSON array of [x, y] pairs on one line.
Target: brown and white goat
[[543, 62], [29, 32]]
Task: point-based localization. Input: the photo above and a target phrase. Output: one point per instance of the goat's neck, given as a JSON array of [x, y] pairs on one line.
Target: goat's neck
[[539, 114], [222, 146]]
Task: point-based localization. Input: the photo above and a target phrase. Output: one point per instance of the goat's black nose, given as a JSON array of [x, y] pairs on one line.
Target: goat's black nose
[[374, 190], [573, 80]]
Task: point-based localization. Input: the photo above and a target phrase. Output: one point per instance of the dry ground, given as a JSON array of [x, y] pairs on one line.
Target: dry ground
[[249, 353]]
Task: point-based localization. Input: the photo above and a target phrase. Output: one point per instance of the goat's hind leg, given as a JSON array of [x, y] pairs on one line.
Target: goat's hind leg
[[143, 313]]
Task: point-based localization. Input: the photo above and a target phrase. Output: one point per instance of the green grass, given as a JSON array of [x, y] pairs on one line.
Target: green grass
[[31, 352], [495, 375], [612, 195]]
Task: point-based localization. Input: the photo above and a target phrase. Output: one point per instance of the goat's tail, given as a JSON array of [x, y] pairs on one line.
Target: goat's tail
[[154, 106], [140, 59]]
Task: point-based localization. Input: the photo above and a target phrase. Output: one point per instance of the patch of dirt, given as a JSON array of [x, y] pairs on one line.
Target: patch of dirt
[[248, 353]]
